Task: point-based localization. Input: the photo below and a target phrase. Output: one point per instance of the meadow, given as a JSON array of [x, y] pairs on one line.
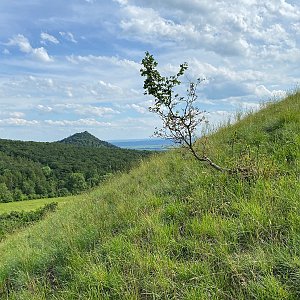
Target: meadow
[[173, 228], [30, 205]]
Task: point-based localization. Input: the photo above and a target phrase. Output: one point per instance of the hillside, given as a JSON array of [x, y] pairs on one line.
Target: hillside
[[31, 170], [175, 229], [85, 139]]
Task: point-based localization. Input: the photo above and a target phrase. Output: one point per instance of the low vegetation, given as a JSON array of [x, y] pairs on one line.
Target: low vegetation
[[176, 229], [10, 222]]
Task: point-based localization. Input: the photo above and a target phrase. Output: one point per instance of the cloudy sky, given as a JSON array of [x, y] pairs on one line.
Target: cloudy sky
[[73, 65]]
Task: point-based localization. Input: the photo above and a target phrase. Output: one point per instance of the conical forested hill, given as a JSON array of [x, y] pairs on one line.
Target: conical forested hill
[[30, 170], [86, 139]]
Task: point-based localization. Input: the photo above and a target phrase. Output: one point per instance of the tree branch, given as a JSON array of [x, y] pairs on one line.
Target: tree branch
[[180, 123]]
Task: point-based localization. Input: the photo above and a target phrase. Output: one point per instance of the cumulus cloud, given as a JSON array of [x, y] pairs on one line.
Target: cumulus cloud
[[81, 122], [262, 92], [78, 109], [44, 108], [121, 2], [41, 54], [284, 9], [46, 37], [17, 114], [24, 45], [22, 42], [17, 122], [69, 92], [92, 59], [13, 114], [138, 108], [147, 25], [226, 28], [107, 85], [68, 36]]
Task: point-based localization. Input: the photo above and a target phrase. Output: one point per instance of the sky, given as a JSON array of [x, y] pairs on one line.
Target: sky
[[68, 66]]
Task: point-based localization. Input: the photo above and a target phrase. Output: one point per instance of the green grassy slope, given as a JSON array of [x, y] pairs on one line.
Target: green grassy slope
[[175, 229]]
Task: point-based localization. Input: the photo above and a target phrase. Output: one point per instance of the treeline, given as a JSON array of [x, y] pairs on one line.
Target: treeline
[[14, 220], [30, 170]]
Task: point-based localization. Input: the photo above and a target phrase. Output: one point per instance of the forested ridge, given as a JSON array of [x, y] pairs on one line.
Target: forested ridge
[[31, 170]]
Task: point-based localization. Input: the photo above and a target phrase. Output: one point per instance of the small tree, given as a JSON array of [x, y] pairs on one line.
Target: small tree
[[5, 194], [180, 115]]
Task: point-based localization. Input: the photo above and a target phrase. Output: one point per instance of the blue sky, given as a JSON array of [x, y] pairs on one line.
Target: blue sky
[[70, 66]]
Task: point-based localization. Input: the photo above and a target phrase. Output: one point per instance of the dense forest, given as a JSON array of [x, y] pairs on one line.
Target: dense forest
[[31, 170]]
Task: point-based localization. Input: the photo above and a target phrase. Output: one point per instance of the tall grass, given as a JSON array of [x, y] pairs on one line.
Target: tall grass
[[175, 229]]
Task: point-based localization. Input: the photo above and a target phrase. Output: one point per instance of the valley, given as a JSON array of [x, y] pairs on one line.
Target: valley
[[32, 170]]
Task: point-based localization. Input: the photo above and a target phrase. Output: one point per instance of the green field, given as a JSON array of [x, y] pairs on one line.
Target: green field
[[29, 205], [173, 228]]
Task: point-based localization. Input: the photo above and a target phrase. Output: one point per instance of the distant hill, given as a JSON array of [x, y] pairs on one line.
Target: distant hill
[[31, 170], [85, 139]]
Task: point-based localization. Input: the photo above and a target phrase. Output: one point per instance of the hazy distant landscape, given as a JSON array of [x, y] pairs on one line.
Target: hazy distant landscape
[[30, 170], [144, 144]]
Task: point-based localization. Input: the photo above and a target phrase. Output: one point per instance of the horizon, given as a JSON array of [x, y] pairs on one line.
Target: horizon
[[70, 66], [109, 140], [154, 143]]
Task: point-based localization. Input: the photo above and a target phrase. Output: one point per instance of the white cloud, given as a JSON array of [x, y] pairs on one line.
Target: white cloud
[[22, 42], [17, 114], [78, 109], [41, 54], [50, 82], [91, 59], [69, 92], [17, 122], [149, 26], [81, 122], [6, 51], [68, 36], [121, 2], [262, 92], [95, 110], [13, 114], [24, 45], [138, 108], [44, 108], [48, 37], [227, 28], [108, 85], [284, 8]]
